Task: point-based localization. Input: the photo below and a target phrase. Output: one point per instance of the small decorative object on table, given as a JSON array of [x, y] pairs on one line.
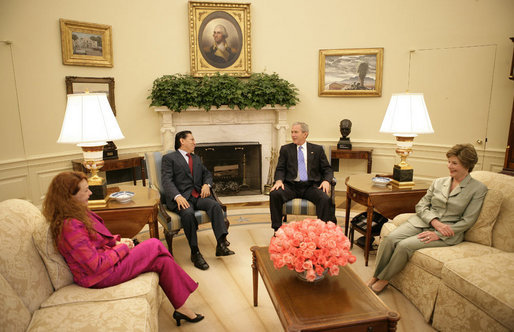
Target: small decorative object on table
[[345, 127], [311, 248], [381, 181], [122, 196]]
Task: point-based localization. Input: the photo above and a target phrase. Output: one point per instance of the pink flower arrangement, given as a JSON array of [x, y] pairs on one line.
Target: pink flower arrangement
[[312, 246]]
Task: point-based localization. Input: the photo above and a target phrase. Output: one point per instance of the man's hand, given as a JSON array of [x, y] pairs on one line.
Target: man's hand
[[206, 191], [325, 186], [278, 184], [444, 229], [182, 203]]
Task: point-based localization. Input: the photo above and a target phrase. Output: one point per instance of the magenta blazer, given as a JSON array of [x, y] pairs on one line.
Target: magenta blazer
[[90, 259]]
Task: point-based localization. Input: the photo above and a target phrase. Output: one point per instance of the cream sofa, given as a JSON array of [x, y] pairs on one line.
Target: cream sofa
[[469, 286], [37, 290]]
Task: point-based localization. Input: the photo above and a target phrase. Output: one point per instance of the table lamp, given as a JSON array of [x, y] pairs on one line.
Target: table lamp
[[89, 122], [406, 117]]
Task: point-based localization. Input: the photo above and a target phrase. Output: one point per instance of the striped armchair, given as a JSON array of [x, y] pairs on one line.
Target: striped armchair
[[169, 220], [300, 206]]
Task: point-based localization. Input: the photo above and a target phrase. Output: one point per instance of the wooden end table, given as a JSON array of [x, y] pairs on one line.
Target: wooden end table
[[127, 219], [336, 303], [388, 201], [129, 160], [355, 153]]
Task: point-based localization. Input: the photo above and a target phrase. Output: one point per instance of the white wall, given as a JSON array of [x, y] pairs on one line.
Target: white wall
[[150, 39]]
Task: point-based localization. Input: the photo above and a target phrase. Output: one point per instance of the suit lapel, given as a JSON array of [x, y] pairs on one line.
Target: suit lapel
[[182, 161], [99, 226], [445, 190], [310, 156]]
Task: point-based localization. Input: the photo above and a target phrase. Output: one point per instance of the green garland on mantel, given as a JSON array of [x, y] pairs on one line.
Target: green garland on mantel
[[179, 92]]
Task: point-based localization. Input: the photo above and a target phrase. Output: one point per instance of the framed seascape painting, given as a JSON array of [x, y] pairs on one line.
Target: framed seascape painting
[[351, 72], [86, 44], [93, 85], [219, 36]]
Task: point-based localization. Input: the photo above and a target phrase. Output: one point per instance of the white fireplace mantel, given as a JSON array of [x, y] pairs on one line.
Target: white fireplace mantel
[[268, 126]]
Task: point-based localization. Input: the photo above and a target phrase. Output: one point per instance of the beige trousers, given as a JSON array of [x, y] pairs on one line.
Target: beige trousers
[[396, 248]]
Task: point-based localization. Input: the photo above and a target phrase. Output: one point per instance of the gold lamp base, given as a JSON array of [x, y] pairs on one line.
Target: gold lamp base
[[93, 162], [403, 173]]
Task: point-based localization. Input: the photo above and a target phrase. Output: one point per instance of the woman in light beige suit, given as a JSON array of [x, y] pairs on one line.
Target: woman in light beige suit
[[449, 208]]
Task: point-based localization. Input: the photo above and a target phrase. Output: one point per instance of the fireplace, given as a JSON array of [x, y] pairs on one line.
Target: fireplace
[[267, 126], [235, 167]]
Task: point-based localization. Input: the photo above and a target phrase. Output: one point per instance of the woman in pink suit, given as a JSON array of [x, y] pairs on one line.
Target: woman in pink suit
[[98, 259]]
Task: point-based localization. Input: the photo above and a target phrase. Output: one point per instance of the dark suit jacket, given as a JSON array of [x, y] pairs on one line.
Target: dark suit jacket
[[177, 179], [318, 168]]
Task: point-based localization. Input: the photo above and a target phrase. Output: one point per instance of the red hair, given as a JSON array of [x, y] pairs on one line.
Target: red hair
[[60, 204]]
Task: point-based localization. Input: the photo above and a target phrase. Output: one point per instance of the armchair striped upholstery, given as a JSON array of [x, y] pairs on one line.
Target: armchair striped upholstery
[[169, 220], [300, 206]]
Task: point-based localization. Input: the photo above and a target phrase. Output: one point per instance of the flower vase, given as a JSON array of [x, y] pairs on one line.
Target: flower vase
[[303, 276]]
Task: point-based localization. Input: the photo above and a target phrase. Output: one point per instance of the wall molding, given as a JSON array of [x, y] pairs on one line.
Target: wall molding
[[29, 178]]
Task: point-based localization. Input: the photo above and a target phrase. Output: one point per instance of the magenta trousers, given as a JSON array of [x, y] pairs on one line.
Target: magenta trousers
[[152, 256]]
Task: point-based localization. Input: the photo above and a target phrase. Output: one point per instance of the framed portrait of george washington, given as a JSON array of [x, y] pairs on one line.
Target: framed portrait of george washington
[[355, 72], [219, 36], [86, 44]]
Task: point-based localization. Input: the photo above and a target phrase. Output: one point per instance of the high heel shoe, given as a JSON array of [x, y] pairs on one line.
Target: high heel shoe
[[179, 316]]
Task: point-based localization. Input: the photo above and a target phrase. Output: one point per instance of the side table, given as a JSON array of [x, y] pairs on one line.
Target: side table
[[355, 153], [388, 201], [129, 160], [127, 219]]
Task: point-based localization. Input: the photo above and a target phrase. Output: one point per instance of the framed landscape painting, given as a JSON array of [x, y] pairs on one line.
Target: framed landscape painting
[[105, 85], [351, 72], [219, 36], [86, 44]]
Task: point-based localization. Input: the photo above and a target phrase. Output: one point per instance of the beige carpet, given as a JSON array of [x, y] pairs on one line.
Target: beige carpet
[[225, 293]]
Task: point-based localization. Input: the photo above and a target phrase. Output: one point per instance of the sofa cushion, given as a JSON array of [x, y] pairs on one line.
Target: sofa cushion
[[58, 270], [482, 231], [133, 314], [503, 230], [433, 259], [454, 313], [20, 263], [145, 285], [485, 281]]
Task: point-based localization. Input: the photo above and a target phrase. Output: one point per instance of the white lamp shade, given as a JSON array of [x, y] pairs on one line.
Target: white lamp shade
[[407, 115], [89, 120]]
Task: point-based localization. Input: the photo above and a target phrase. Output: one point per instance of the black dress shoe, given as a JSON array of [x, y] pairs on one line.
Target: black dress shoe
[[199, 262], [223, 250], [179, 316]]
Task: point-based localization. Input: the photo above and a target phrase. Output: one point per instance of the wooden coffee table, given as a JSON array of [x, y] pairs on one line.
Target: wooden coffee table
[[336, 303], [127, 219]]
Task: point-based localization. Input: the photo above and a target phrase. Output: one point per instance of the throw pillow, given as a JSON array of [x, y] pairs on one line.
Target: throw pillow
[[482, 231], [58, 270]]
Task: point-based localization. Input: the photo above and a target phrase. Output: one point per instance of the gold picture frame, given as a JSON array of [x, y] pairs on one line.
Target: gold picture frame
[[219, 37], [353, 72], [86, 44], [105, 85]]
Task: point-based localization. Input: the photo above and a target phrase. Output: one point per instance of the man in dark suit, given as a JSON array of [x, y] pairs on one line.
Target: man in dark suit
[[302, 171], [187, 186]]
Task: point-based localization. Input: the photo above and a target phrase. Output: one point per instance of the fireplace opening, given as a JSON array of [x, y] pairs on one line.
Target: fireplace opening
[[235, 167]]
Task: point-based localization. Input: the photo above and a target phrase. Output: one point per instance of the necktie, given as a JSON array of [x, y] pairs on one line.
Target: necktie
[[302, 170], [190, 160]]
